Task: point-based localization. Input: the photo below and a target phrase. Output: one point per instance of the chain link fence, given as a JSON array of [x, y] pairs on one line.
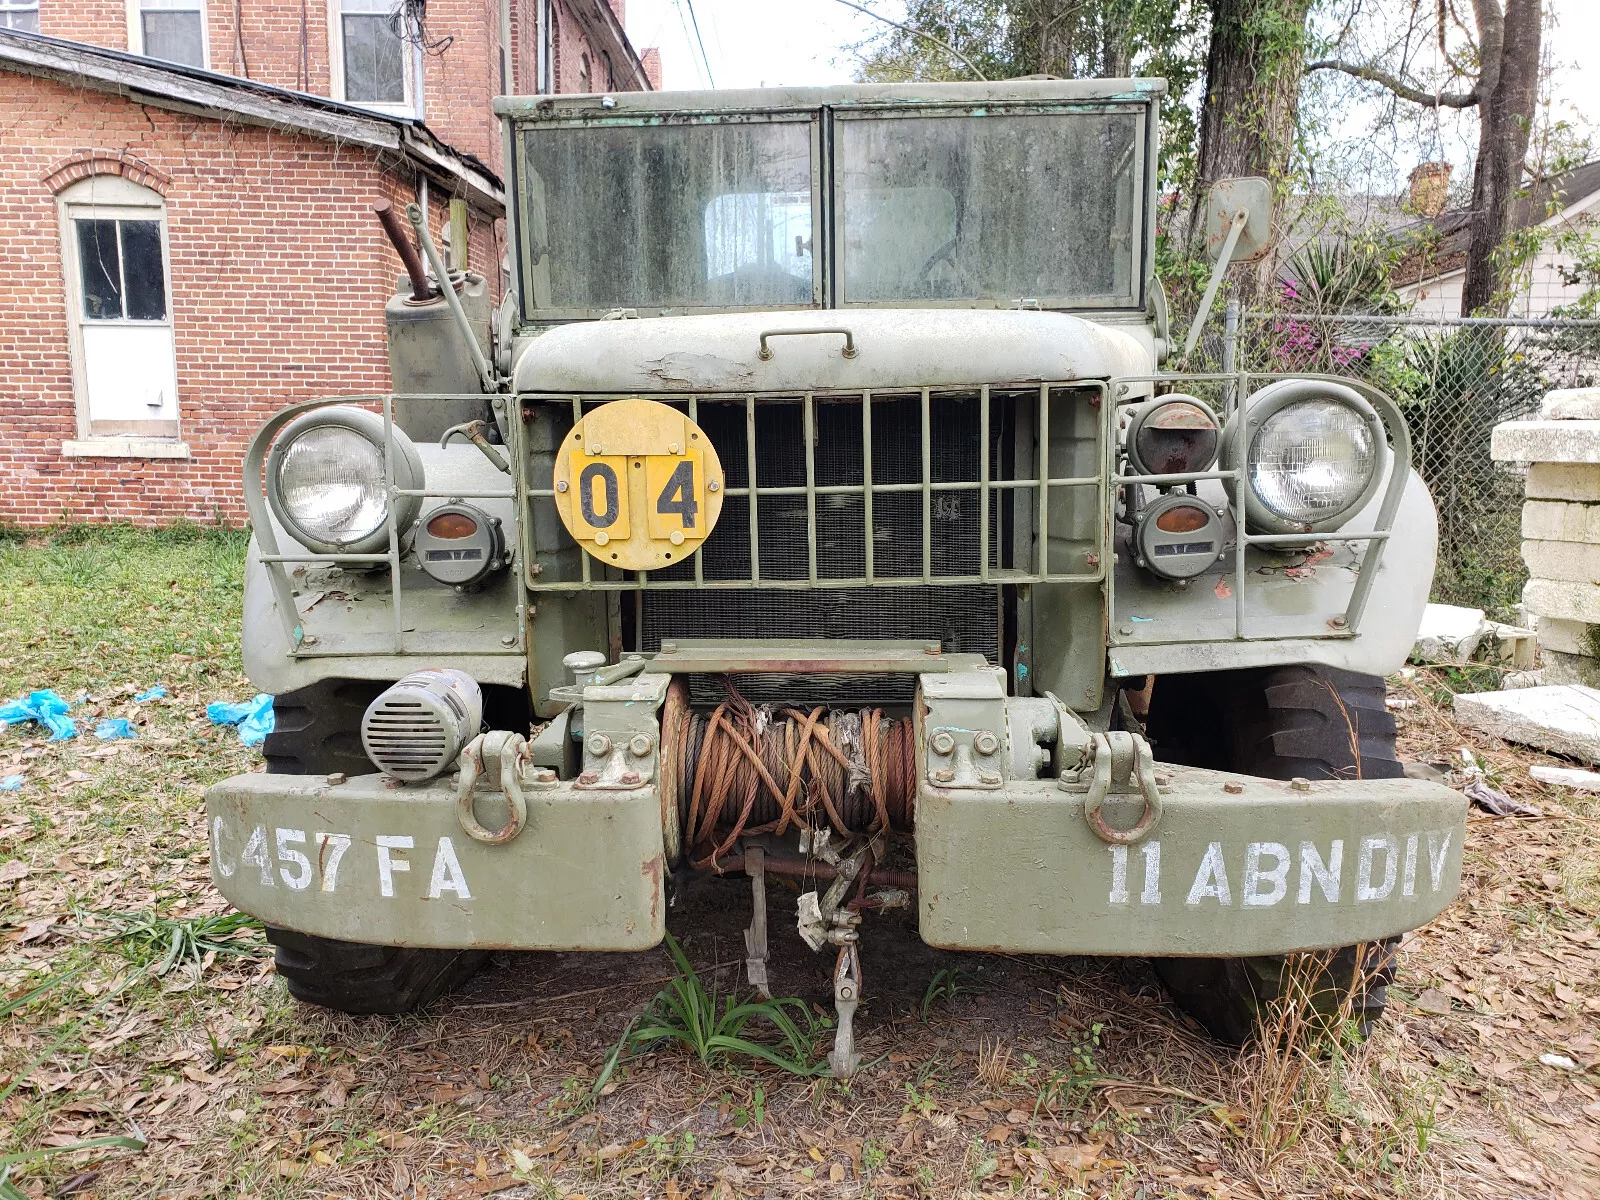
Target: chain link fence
[[1454, 380]]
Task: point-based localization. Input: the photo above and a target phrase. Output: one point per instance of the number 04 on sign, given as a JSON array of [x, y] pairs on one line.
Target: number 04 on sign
[[638, 485]]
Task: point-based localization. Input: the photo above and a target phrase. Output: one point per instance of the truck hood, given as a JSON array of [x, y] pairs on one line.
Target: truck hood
[[896, 348]]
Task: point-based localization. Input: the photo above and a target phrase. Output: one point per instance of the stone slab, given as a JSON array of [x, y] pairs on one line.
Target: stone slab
[[1563, 600], [1564, 481], [1560, 521], [1571, 404], [1569, 637], [1546, 441], [1575, 562], [1575, 778], [1571, 668], [1449, 634], [1563, 719]]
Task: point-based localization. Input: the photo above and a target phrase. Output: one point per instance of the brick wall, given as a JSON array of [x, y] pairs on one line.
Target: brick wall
[[271, 43], [279, 274], [99, 22], [460, 78]]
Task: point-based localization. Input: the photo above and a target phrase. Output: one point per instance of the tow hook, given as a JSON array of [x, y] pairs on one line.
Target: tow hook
[[493, 755], [1118, 763]]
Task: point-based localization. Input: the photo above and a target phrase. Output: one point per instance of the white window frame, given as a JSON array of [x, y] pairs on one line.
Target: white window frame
[[136, 31], [110, 197], [16, 6], [406, 108]]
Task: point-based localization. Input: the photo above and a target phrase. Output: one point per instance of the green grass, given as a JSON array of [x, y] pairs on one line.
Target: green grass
[[112, 831], [719, 1030], [95, 607]]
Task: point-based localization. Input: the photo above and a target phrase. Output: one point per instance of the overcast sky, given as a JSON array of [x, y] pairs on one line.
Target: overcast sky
[[755, 43]]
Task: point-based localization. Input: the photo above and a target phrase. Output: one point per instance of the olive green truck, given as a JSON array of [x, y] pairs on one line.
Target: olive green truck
[[822, 501]]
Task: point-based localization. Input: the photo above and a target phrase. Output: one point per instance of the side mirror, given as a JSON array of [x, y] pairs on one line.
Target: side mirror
[[1238, 229], [1251, 196]]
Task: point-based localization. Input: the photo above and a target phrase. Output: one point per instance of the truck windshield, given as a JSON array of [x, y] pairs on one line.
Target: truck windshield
[[680, 216], [990, 209]]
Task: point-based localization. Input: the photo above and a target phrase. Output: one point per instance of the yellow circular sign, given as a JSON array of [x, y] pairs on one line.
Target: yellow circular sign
[[638, 485]]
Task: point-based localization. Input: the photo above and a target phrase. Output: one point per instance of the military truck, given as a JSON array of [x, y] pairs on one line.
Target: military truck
[[824, 500]]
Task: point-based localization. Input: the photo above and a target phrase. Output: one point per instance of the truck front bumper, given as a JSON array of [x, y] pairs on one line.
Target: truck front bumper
[[1236, 865]]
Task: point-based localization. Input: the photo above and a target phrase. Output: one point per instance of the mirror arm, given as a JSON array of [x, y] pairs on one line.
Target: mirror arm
[[1224, 260]]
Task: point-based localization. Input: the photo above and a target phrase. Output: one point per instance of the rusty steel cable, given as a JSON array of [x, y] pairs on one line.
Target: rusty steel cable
[[741, 770]]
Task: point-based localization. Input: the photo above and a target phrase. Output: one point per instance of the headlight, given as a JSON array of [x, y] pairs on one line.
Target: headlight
[[1172, 435], [1311, 460], [1313, 455], [325, 480]]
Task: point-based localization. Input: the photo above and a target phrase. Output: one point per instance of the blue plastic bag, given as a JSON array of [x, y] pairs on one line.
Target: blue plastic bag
[[154, 693], [11, 783], [111, 728], [254, 717], [45, 707]]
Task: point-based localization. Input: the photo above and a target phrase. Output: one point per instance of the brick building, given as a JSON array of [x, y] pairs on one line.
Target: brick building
[[187, 209]]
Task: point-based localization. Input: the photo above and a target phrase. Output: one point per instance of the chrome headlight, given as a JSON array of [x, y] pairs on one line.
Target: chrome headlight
[[325, 480], [1314, 453]]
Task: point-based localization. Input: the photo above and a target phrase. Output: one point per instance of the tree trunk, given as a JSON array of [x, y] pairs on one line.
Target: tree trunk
[[1508, 89], [1253, 69]]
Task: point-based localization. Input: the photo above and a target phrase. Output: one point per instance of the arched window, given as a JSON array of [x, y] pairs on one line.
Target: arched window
[[584, 75], [119, 315]]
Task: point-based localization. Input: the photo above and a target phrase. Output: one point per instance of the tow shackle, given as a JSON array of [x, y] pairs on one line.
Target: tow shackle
[[489, 753]]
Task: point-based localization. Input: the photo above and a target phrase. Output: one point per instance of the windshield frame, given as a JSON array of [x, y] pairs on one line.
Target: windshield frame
[[822, 108], [522, 175], [1142, 164]]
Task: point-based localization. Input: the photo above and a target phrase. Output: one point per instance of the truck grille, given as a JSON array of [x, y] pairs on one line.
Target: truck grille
[[887, 514]]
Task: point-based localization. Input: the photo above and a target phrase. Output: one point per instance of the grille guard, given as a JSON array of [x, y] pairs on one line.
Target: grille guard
[[1096, 570]]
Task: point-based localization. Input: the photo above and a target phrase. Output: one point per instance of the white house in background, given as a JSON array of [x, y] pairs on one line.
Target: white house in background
[[1432, 278]]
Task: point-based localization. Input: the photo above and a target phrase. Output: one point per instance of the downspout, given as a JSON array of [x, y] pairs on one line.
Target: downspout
[[508, 80], [544, 85]]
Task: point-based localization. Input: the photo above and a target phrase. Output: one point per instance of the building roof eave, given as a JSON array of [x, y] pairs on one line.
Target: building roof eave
[[224, 97]]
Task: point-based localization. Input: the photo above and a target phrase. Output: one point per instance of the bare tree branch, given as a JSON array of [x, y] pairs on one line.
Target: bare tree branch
[[1400, 88], [921, 33]]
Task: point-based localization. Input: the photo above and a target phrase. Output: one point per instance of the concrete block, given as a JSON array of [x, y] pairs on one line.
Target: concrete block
[[1564, 481], [1562, 719], [1563, 599], [1449, 634], [1577, 562], [1571, 404], [1510, 644], [1546, 441], [1571, 668], [1560, 521], [1569, 637], [1568, 777]]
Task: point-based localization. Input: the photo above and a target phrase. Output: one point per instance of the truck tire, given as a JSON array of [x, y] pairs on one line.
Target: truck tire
[[1279, 723], [316, 731], [356, 978]]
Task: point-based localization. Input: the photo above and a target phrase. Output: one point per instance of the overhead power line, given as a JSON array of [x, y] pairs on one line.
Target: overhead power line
[[700, 41], [911, 29]]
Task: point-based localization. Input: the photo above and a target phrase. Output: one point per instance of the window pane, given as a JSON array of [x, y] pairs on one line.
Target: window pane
[[374, 60], [174, 36], [978, 208], [98, 266], [710, 215], [141, 270], [24, 19]]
